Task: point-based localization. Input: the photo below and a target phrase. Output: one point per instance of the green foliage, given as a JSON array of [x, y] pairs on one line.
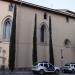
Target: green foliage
[[50, 43], [34, 57], [12, 42]]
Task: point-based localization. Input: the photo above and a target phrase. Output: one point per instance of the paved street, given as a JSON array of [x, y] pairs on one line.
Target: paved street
[[28, 73]]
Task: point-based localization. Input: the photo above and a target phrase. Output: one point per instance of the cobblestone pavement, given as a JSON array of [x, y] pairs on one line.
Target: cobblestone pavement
[[27, 73]]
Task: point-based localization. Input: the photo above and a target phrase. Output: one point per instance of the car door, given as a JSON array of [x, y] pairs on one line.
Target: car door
[[46, 66], [51, 67]]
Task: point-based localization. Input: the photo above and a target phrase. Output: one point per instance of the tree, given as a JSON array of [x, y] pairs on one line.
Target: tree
[[12, 44], [34, 57], [50, 43]]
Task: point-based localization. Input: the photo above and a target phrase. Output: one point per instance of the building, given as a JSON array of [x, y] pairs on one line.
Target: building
[[6, 16], [63, 33]]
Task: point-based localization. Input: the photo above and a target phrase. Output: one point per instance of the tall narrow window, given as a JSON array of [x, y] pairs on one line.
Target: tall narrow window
[[42, 33], [67, 19], [45, 15], [7, 29]]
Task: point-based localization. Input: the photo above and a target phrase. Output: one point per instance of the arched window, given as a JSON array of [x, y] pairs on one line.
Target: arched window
[[7, 29], [42, 38]]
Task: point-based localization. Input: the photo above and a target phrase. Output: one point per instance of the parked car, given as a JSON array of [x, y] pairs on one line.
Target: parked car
[[44, 67], [70, 67]]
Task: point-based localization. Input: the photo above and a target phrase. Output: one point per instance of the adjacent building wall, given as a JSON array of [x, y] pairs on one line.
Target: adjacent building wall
[[4, 45]]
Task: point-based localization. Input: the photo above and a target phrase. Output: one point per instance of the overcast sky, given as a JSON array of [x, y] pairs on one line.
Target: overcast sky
[[56, 4]]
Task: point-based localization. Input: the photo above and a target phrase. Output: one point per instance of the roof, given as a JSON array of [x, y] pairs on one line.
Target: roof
[[67, 11], [55, 11]]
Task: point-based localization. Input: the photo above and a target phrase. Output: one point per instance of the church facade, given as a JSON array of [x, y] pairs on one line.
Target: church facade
[[63, 33], [6, 16]]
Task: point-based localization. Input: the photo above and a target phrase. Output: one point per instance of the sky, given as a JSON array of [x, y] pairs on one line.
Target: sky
[[55, 4]]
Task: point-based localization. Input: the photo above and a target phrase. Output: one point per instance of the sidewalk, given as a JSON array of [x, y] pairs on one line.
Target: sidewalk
[[15, 72]]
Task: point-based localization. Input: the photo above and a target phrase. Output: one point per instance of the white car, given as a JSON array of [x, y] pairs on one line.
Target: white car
[[44, 67], [70, 67]]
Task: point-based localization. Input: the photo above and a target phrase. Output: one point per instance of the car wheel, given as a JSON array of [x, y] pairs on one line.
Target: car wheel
[[41, 72], [73, 71], [62, 71], [34, 72], [57, 71]]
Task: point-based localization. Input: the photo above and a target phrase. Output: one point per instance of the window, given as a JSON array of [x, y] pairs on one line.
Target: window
[[7, 29], [4, 51], [35, 64], [42, 33], [67, 64], [45, 15], [67, 19], [46, 65], [11, 7], [67, 43], [72, 65], [41, 64]]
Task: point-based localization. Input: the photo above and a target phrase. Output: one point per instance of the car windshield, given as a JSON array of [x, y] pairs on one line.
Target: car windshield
[[35, 64], [66, 64]]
